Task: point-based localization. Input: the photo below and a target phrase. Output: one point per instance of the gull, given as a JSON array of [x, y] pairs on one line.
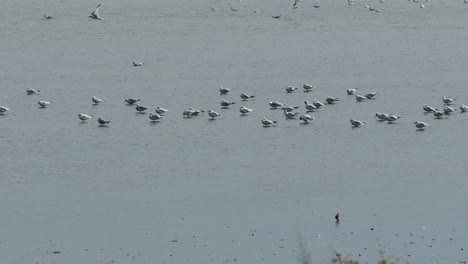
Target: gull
[[244, 110], [351, 91], [447, 100], [256, 12], [102, 122], [275, 104], [47, 17], [223, 90], [422, 6], [267, 122], [421, 125], [141, 109], [213, 114], [316, 5], [3, 109], [309, 107], [289, 108], [356, 123], [438, 114], [366, 6], [350, 3], [194, 112], [161, 111], [43, 104], [331, 99], [136, 64], [378, 10], [234, 9], [84, 117], [295, 4], [306, 118], [428, 109], [381, 116], [448, 110], [154, 117], [391, 118], [370, 95], [191, 112], [30, 91], [290, 115], [317, 103], [360, 97], [371, 8], [307, 87], [96, 100], [225, 103], [212, 9], [95, 13], [276, 16], [463, 108], [245, 96], [131, 101], [290, 89]]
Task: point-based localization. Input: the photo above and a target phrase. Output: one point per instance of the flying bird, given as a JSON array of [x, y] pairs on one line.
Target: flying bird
[[95, 13]]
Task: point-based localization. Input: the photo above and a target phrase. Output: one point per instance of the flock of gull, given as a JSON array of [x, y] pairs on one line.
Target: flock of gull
[[295, 5], [289, 112]]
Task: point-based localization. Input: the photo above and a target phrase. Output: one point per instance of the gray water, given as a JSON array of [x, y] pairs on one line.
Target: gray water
[[199, 191]]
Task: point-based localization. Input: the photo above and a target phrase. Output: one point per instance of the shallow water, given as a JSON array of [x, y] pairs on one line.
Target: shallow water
[[199, 191]]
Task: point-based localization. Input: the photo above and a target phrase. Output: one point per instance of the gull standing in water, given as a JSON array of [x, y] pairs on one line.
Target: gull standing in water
[[370, 95], [391, 118], [268, 123], [84, 117], [244, 110], [161, 110], [421, 125], [102, 122], [306, 118], [223, 90], [131, 101], [356, 123], [309, 107], [351, 91], [95, 13], [136, 64], [331, 99], [307, 87], [360, 98], [438, 114], [140, 108], [428, 109], [317, 103], [226, 104], [381, 116], [448, 110], [96, 100], [191, 112], [3, 109], [447, 100], [290, 114], [290, 89], [47, 17], [245, 96], [30, 91], [275, 104], [154, 117], [213, 114], [463, 108], [43, 104]]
